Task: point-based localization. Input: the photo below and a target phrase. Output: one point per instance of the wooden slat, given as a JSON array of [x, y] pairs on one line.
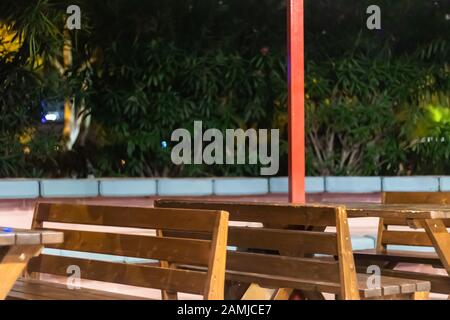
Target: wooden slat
[[403, 211], [30, 237], [148, 247], [285, 240], [149, 218], [398, 256], [347, 267], [7, 238], [306, 268], [270, 213], [392, 286], [395, 222], [42, 290], [273, 281], [215, 284], [128, 274], [407, 238], [439, 283], [389, 285], [417, 197], [27, 238], [49, 237], [441, 241], [404, 222]]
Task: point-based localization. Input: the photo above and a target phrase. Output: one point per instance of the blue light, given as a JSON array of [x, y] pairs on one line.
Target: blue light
[[7, 230], [164, 144], [43, 120]]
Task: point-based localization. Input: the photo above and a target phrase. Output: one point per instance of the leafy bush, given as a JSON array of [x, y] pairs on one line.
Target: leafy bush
[[377, 101]]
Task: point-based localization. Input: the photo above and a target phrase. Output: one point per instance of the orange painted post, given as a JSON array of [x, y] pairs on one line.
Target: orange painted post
[[296, 101]]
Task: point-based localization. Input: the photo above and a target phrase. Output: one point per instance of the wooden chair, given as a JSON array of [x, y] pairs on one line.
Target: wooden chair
[[395, 232], [140, 242], [291, 250]]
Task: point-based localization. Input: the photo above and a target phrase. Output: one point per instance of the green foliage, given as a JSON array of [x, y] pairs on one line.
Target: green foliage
[[377, 101]]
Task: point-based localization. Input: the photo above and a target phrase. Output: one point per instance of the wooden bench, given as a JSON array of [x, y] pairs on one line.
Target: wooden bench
[[394, 231], [143, 241], [291, 250]]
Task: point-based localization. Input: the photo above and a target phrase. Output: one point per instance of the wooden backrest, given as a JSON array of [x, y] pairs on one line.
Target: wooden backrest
[[286, 241], [145, 241], [388, 231]]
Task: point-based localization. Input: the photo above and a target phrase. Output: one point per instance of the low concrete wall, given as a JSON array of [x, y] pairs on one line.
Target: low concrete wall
[[127, 187], [185, 187], [411, 184], [19, 189], [444, 184], [312, 185], [353, 184], [69, 188], [142, 187], [240, 186]]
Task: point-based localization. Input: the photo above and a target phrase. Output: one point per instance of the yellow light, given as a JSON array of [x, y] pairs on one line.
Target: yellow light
[[10, 42]]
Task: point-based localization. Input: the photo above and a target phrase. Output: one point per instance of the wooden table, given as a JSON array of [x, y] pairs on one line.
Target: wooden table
[[17, 247], [429, 217]]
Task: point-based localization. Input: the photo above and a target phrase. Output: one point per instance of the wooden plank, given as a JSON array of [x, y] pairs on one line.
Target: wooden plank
[[403, 211], [43, 290], [13, 261], [51, 237], [29, 237], [215, 284], [282, 294], [149, 218], [283, 240], [256, 212], [121, 273], [189, 251], [274, 265], [389, 285], [274, 281], [406, 238], [165, 294], [256, 292], [288, 242], [271, 213], [405, 222], [381, 228], [439, 283], [440, 237], [417, 197], [392, 286], [347, 268], [398, 256], [307, 285], [7, 238]]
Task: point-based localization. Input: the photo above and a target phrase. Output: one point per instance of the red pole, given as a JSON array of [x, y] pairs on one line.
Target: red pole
[[296, 101]]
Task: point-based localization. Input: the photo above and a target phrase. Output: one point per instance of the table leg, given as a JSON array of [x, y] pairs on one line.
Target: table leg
[[13, 261], [440, 238]]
